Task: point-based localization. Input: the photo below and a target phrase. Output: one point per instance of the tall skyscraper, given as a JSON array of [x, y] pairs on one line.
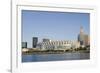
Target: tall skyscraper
[[81, 36], [24, 44], [81, 30], [34, 42], [86, 40]]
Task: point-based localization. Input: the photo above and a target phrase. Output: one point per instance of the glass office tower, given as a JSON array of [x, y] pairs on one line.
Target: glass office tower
[[34, 42]]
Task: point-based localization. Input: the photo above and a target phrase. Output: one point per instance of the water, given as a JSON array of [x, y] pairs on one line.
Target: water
[[55, 57]]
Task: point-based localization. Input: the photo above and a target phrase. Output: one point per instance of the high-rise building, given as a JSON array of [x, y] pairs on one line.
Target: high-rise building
[[83, 38], [24, 44], [34, 42], [86, 40]]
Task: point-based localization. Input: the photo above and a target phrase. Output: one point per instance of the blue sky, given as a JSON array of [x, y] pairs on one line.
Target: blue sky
[[53, 25]]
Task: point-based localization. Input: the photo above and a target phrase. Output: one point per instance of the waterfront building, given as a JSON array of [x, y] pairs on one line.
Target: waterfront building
[[59, 45], [34, 42], [39, 46], [24, 44]]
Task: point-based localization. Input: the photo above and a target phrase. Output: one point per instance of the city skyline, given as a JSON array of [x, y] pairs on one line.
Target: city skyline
[[53, 25]]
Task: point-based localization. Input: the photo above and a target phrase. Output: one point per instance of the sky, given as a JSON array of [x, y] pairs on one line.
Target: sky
[[53, 25]]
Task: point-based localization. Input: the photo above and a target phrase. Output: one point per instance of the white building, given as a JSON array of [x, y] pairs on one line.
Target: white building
[[59, 45]]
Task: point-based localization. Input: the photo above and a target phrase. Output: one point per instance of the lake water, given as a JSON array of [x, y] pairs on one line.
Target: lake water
[[55, 57]]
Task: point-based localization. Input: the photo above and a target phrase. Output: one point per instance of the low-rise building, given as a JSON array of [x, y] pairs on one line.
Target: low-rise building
[[59, 45], [24, 44]]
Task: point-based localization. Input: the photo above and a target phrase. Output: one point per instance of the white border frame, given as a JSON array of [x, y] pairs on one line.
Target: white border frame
[[17, 65]]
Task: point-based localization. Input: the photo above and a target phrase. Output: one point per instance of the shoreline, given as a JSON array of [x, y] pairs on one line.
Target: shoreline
[[42, 53]]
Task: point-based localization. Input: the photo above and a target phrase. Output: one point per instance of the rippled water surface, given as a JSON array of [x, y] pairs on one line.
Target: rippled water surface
[[55, 57]]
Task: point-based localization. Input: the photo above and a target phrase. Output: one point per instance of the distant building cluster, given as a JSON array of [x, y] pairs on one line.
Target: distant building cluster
[[83, 38], [47, 44]]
